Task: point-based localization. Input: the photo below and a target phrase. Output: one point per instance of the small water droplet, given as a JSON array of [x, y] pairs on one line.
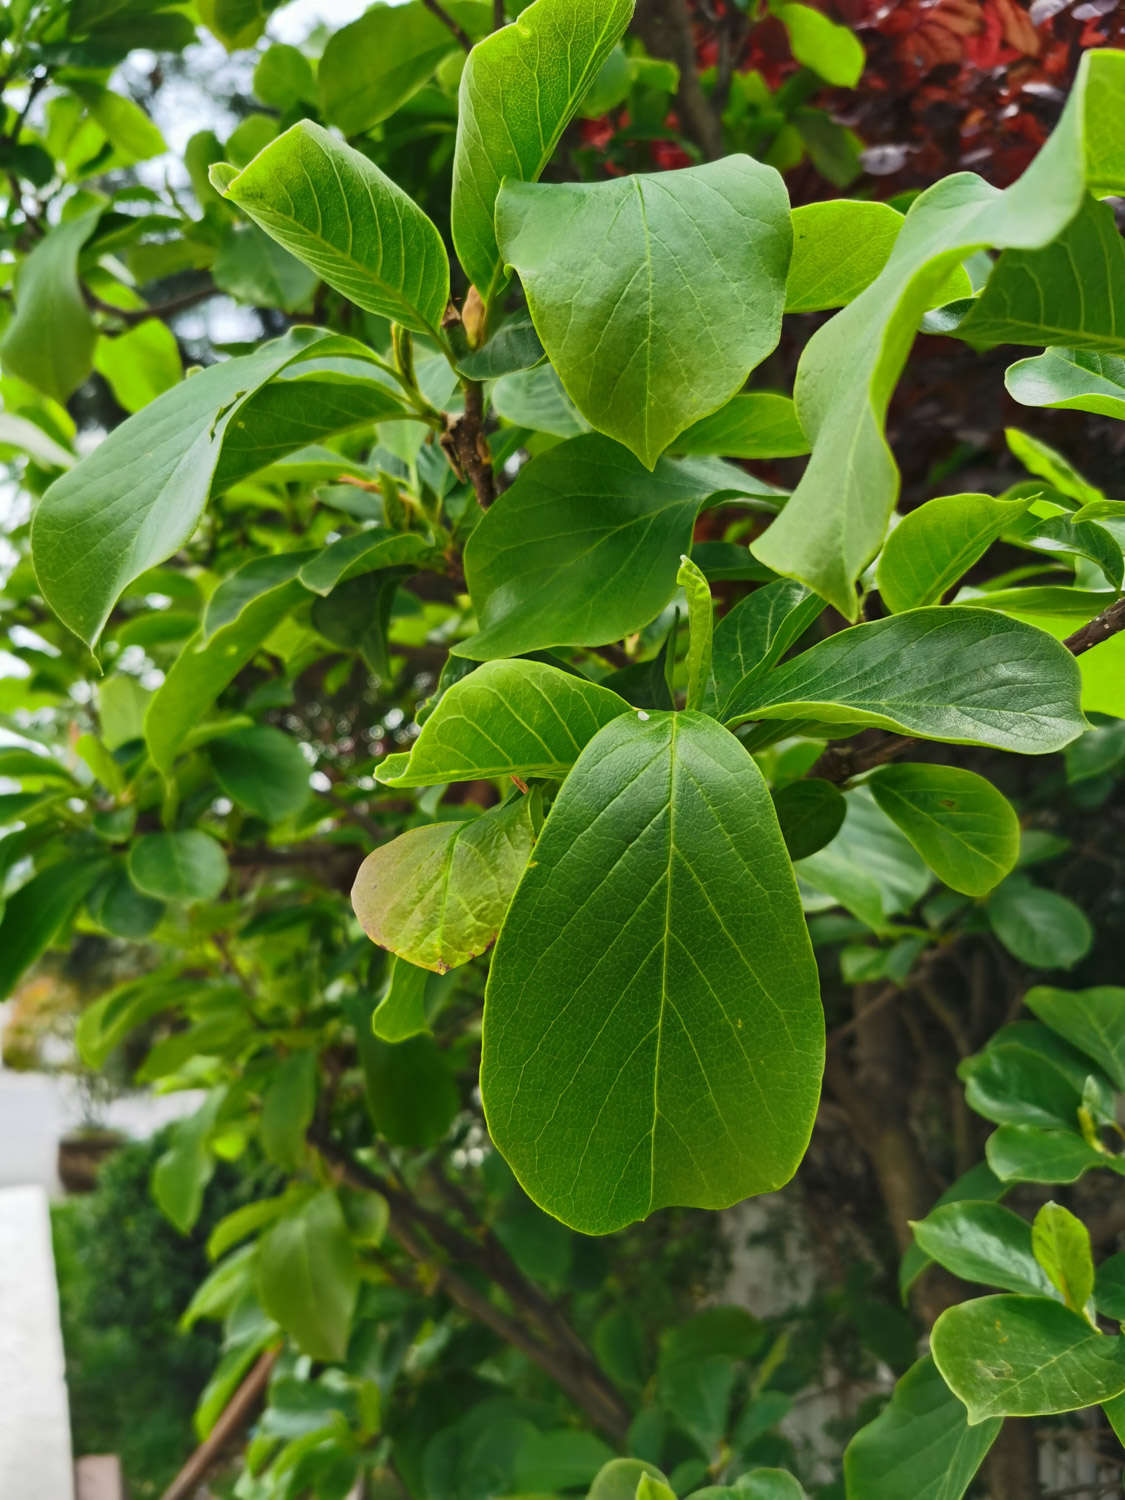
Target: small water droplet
[[642, 715]]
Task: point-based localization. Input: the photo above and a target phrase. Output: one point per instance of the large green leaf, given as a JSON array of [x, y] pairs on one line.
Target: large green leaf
[[583, 548], [241, 613], [920, 1444], [334, 210], [869, 867], [506, 718], [966, 831], [137, 498], [520, 89], [436, 896], [1091, 1020], [835, 520], [1025, 1357], [1025, 1153], [654, 296], [932, 547], [1073, 379], [966, 676], [1068, 293], [1061, 1244], [983, 1242], [839, 248], [832, 50], [652, 1033], [1040, 927], [307, 1277], [979, 1185], [365, 552], [374, 65], [50, 340]]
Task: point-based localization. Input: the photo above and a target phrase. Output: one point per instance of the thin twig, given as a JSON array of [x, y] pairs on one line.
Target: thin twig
[[134, 315], [237, 1412], [460, 35]]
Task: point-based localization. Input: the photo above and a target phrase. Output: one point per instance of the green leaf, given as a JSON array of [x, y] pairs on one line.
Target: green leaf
[[1038, 926], [36, 913], [965, 676], [1084, 539], [757, 632], [1067, 293], [117, 905], [182, 1173], [755, 425], [307, 1277], [254, 268], [1091, 1020], [512, 348], [562, 1460], [337, 213], [401, 1011], [869, 867], [506, 718], [28, 437], [583, 548], [839, 247], [1025, 1357], [218, 1292], [674, 297], [1109, 1287], [112, 1016], [978, 1184], [983, 1242], [139, 364], [436, 895], [287, 1109], [184, 867], [933, 546], [966, 831], [919, 1444], [849, 368], [811, 813], [50, 340], [1062, 1247], [241, 613], [283, 76], [1115, 1415], [827, 48], [236, 1226], [620, 1478], [768, 1484], [1072, 379], [606, 1114], [1026, 1153], [547, 61], [263, 770], [1025, 1076], [137, 498], [365, 552], [701, 626], [411, 1091], [372, 67], [128, 129]]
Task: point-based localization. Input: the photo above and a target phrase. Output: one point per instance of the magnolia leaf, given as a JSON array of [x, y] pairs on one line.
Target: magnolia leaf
[[979, 1184], [287, 1109], [436, 896], [966, 831], [811, 813], [1026, 1153], [849, 368], [337, 213], [628, 1043], [261, 769], [35, 914], [965, 676], [1062, 1247], [1091, 1020], [935, 545], [370, 68], [1067, 293], [140, 364], [401, 1011], [1073, 379], [983, 1242], [1040, 927], [188, 866], [823, 45], [182, 1173], [365, 552], [583, 548], [134, 500], [675, 296], [920, 1443], [506, 718], [307, 1277], [757, 632], [701, 626], [755, 425], [1012, 1356], [547, 60], [50, 340]]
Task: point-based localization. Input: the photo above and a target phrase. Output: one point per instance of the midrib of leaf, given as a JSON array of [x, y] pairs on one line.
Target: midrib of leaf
[[663, 959]]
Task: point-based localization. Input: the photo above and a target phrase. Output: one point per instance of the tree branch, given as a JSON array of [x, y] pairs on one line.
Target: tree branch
[[665, 28], [460, 35], [466, 446], [237, 1412], [1100, 628], [131, 316]]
